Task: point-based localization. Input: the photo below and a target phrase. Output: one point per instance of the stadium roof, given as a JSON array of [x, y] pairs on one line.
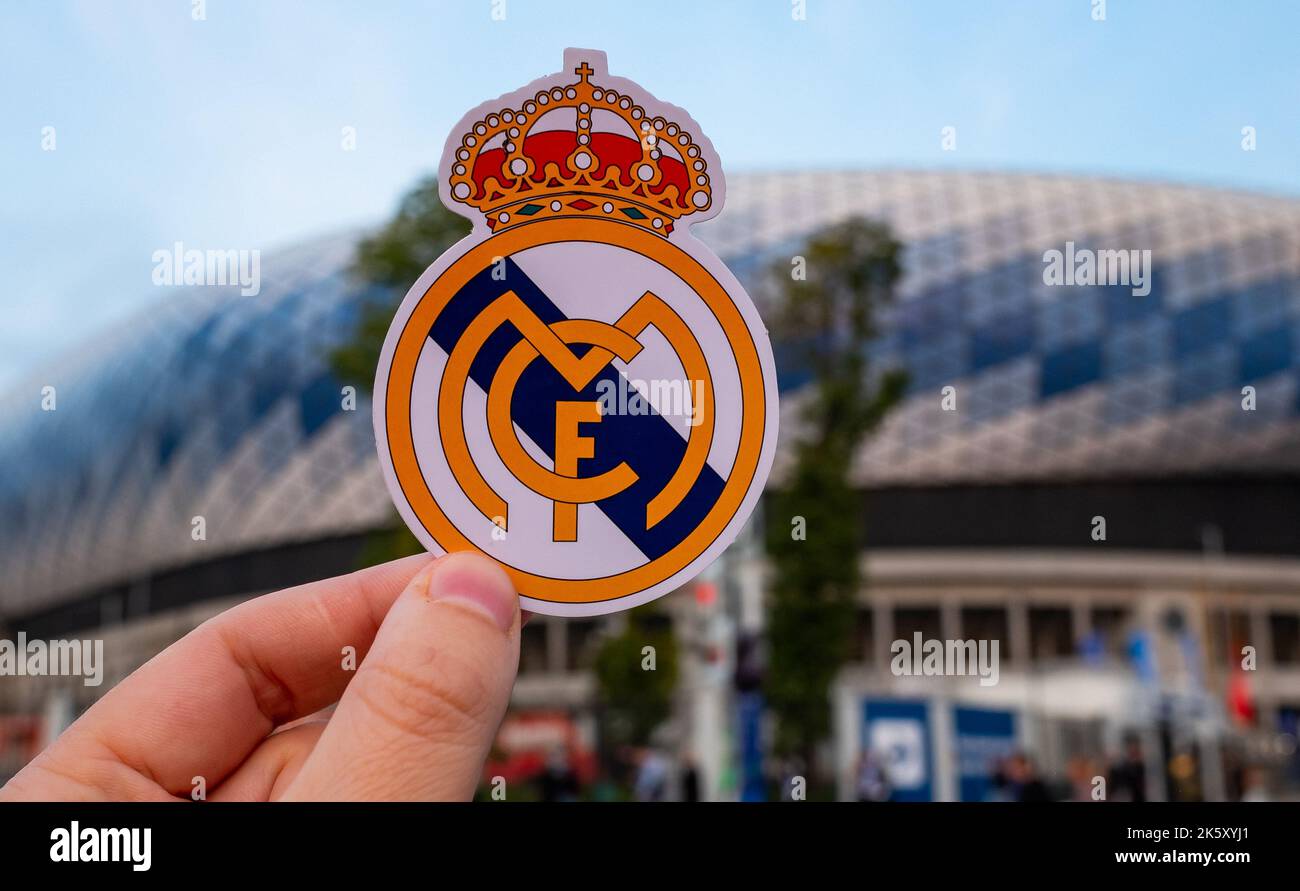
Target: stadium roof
[[216, 405]]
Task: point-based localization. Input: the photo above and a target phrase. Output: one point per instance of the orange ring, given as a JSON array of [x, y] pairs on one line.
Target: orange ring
[[410, 344]]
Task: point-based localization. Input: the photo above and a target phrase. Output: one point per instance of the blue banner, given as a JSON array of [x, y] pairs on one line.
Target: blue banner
[[896, 735], [983, 737]]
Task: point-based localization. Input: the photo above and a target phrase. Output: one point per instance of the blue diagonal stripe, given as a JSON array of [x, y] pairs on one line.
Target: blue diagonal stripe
[[648, 442]]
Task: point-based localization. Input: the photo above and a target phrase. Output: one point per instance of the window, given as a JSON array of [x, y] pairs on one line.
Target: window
[[987, 623], [1284, 629], [532, 647], [1050, 636], [909, 620], [580, 644], [1229, 632], [863, 647], [1109, 624]]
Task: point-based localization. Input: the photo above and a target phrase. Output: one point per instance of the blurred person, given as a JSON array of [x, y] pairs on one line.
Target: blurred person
[[239, 701], [1000, 788], [557, 781], [1080, 771], [1023, 774], [790, 775], [1253, 787], [871, 780], [690, 779], [1184, 773], [651, 776], [1128, 774]]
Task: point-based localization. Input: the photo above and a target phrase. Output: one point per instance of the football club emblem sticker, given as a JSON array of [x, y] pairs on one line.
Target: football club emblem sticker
[[579, 389]]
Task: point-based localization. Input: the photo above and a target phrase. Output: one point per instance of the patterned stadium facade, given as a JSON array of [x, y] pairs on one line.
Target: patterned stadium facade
[[215, 405]]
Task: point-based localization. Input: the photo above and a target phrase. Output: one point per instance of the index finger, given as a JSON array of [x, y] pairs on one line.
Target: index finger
[[202, 705]]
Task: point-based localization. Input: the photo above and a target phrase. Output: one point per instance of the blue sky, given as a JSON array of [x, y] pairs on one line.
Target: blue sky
[[225, 133]]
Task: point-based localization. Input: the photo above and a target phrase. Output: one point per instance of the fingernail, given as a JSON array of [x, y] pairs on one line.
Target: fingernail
[[478, 581]]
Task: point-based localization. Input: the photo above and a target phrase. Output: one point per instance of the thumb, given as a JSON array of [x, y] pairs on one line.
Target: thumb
[[417, 720]]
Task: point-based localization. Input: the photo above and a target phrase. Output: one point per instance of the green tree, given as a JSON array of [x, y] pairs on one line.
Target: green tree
[[815, 518], [635, 700], [387, 264], [390, 261]]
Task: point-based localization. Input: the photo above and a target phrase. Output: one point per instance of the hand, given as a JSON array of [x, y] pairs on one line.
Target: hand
[[236, 701]]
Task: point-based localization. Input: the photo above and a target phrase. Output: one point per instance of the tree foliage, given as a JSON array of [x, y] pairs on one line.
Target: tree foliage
[[389, 262], [826, 320], [636, 701]]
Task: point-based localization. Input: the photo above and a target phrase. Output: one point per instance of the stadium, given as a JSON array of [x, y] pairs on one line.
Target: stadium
[[1032, 411]]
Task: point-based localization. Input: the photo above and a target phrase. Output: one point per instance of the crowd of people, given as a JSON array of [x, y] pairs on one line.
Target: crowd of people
[[653, 774], [1017, 777], [639, 774]]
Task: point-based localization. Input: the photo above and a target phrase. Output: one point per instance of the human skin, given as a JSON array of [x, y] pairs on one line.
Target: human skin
[[262, 703]]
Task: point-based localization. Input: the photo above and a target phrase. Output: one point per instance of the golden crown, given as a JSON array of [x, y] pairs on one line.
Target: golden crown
[[579, 150]]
